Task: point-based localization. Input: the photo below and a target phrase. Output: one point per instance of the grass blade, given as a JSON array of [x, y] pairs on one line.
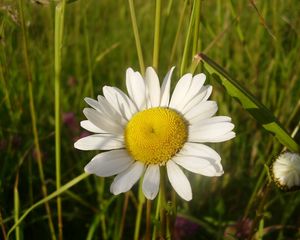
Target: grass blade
[[136, 36], [56, 193], [17, 206], [260, 112], [58, 42]]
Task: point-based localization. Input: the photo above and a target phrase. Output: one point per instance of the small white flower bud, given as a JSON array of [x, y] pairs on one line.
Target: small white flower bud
[[285, 171]]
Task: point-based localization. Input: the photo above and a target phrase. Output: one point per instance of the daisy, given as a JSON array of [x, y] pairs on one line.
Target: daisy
[[149, 128], [285, 171]]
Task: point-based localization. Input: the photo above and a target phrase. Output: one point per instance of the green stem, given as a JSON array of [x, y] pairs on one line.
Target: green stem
[[178, 32], [17, 206], [125, 206], [33, 118], [88, 57], [58, 44], [162, 191], [139, 212], [187, 41], [148, 219], [196, 27], [93, 227], [157, 211], [156, 34], [103, 226], [100, 188], [260, 210], [59, 191], [136, 36]]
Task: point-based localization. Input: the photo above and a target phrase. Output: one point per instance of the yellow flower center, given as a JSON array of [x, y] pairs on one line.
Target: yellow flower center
[[155, 135]]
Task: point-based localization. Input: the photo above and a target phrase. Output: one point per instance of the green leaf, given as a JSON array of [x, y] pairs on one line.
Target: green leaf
[[260, 112]]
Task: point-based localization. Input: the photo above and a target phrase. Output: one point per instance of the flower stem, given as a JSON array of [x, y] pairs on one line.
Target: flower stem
[[148, 219], [139, 212], [125, 206], [101, 185], [162, 203], [136, 36], [58, 43], [156, 33], [157, 211], [260, 210]]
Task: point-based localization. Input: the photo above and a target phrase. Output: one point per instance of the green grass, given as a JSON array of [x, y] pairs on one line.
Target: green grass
[[257, 43]]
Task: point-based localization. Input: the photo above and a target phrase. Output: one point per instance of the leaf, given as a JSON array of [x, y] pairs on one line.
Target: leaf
[[260, 112]]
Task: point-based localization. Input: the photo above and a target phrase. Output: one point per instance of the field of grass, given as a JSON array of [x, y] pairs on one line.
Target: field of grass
[[53, 55]]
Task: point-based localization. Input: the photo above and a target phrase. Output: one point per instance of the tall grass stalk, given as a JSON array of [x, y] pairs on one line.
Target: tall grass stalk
[[124, 211], [88, 56], [136, 36], [58, 44], [178, 32], [156, 34], [17, 206], [196, 37], [186, 49], [33, 117]]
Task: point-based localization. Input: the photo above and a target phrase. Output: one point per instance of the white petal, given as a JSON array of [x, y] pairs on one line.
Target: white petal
[[180, 90], [87, 125], [204, 166], [216, 119], [209, 132], [99, 142], [102, 122], [136, 88], [105, 109], [93, 103], [202, 111], [151, 181], [196, 85], [165, 89], [201, 96], [198, 150], [125, 180], [223, 138], [179, 181], [108, 110], [194, 89], [109, 163], [120, 101], [153, 88]]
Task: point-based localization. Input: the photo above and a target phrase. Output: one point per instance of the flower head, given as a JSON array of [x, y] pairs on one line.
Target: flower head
[[148, 129], [285, 171]]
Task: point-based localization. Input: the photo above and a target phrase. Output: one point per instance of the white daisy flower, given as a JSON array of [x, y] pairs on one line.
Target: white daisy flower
[[148, 129], [285, 171]]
